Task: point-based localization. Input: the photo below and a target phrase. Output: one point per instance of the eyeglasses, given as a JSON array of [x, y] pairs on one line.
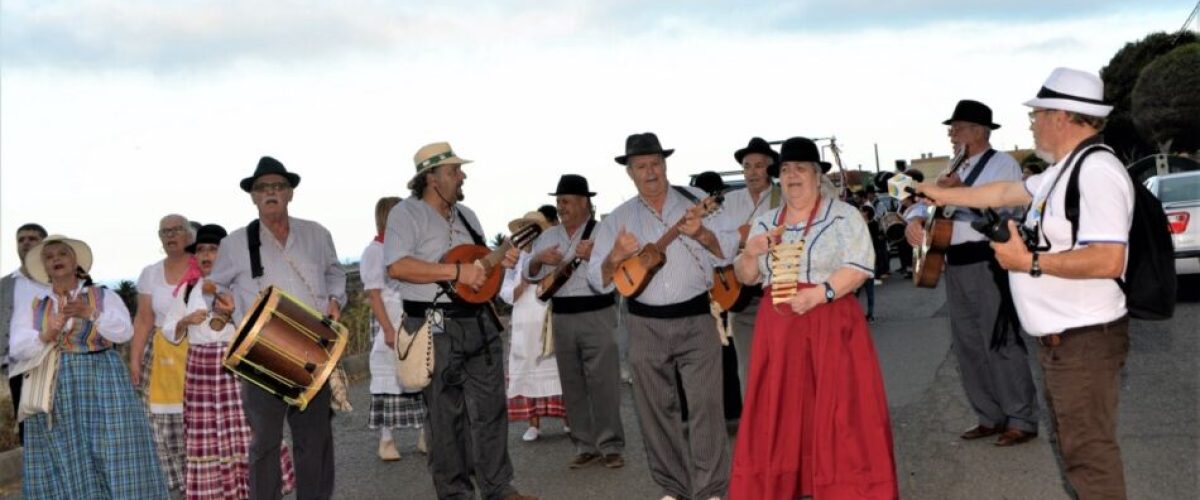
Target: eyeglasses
[[1033, 114], [271, 186], [168, 232]]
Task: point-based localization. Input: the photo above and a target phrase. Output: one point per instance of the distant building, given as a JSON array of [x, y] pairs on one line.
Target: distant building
[[932, 166]]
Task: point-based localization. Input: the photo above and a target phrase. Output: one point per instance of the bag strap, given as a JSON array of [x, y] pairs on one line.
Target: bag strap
[[253, 242], [474, 235], [1089, 146], [686, 194]]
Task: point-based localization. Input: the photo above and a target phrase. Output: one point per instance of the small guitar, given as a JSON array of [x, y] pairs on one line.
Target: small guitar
[[929, 258], [633, 274], [726, 288], [549, 285], [489, 261]]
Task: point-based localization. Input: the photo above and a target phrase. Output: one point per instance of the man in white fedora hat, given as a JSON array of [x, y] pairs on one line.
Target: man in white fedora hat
[[1064, 286], [467, 418]]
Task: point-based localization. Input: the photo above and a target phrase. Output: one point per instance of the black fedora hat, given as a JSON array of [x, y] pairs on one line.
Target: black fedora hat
[[802, 149], [757, 145], [710, 182], [642, 144], [208, 233], [573, 184], [268, 166], [972, 111]]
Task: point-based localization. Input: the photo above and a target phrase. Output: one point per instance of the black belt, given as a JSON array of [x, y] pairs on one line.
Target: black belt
[[449, 309], [692, 307], [587, 303], [752, 291], [972, 252], [1056, 339]]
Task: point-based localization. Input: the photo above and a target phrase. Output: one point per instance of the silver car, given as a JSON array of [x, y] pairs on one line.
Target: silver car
[[1180, 196]]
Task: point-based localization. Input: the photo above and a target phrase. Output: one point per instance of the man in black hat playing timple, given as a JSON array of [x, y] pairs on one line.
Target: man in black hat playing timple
[[670, 327], [468, 419], [760, 164], [584, 319], [986, 338], [298, 257]]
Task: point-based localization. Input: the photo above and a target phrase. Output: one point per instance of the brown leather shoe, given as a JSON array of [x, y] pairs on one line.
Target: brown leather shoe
[[518, 496], [582, 460], [1014, 436], [614, 461], [979, 431]]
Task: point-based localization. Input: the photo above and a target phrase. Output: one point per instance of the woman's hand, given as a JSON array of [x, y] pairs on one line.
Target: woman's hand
[[806, 299], [195, 318], [54, 326]]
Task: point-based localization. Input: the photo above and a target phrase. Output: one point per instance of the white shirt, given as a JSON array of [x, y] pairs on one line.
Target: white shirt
[[382, 361], [153, 282], [577, 285], [1049, 304], [739, 207], [838, 239], [196, 334], [113, 324], [25, 293]]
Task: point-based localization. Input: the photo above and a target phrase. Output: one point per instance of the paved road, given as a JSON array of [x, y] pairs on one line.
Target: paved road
[[1158, 424]]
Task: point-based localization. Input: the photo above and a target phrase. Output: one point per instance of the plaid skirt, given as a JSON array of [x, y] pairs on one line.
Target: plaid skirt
[[100, 444], [523, 408], [397, 411], [216, 431]]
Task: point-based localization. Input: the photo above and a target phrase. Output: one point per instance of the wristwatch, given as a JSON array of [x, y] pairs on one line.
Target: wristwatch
[[828, 292], [1035, 269]]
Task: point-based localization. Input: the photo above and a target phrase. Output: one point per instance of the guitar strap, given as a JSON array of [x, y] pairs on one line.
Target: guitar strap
[[587, 229], [470, 230], [489, 307], [686, 194], [970, 180]]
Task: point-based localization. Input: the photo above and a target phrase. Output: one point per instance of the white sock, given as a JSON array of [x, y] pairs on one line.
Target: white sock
[[385, 434]]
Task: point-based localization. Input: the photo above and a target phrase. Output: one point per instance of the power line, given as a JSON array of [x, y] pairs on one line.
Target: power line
[[1190, 18]]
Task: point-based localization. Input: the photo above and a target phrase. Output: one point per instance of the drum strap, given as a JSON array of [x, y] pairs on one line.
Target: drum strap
[[254, 241]]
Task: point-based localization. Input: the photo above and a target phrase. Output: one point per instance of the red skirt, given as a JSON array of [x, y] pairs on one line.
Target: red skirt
[[815, 421]]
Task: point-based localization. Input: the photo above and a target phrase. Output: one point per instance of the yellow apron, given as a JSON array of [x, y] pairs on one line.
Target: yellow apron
[[168, 366]]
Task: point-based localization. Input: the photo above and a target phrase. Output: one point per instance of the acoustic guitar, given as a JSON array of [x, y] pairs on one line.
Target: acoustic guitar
[[549, 285], [929, 258], [633, 274], [489, 261]]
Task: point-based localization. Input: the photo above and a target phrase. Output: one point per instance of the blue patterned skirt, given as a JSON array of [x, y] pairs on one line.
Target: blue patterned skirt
[[100, 444]]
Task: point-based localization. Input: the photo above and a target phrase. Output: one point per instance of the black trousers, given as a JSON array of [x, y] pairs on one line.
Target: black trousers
[[312, 444]]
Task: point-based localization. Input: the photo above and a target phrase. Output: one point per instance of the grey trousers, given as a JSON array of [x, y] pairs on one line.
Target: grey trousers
[[589, 370], [695, 463], [312, 444], [998, 384], [468, 412], [743, 337]]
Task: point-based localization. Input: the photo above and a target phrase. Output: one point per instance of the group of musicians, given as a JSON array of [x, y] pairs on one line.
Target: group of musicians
[[815, 420]]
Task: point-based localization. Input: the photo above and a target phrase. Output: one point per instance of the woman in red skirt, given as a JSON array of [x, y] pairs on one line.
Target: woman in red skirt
[[815, 421]]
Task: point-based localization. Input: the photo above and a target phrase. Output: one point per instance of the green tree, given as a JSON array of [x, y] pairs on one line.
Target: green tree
[[498, 240], [1166, 100], [129, 295], [1120, 76]]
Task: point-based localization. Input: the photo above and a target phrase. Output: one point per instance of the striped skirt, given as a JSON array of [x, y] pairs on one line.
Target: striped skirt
[[216, 431], [100, 444], [523, 408], [396, 411]]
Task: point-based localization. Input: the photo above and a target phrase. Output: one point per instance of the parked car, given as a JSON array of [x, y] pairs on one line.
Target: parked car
[[1180, 196]]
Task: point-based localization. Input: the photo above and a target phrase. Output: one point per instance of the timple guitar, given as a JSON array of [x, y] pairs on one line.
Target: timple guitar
[[549, 285], [489, 261], [929, 258], [633, 274]]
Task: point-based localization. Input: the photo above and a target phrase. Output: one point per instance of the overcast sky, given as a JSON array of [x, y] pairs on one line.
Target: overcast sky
[[115, 113]]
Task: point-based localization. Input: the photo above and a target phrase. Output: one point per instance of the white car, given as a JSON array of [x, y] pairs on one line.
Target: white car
[[1180, 196]]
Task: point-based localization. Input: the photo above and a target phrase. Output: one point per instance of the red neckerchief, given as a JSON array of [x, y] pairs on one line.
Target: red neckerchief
[[781, 220], [379, 238]]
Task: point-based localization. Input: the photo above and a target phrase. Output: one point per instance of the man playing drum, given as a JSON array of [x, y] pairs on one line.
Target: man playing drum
[[467, 419], [296, 256]]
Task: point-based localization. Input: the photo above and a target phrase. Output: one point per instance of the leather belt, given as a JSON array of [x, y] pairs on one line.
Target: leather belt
[[1056, 339]]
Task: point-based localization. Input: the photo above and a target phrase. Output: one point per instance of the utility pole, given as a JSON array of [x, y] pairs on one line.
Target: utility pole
[[877, 157]]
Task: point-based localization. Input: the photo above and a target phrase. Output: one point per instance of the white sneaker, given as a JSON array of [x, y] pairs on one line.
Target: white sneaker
[[531, 434], [387, 451], [421, 442]]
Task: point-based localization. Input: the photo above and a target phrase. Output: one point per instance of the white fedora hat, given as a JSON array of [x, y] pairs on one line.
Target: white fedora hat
[[37, 269], [1072, 90]]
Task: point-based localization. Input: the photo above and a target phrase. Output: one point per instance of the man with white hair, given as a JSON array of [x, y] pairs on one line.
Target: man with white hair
[[1064, 287]]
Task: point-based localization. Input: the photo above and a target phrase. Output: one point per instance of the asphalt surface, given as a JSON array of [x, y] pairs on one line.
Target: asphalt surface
[[1159, 413]]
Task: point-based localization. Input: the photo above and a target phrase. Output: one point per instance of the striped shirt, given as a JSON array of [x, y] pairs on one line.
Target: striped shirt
[[112, 326], [577, 285]]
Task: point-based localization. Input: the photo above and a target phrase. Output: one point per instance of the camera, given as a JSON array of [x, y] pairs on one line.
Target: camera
[[995, 227]]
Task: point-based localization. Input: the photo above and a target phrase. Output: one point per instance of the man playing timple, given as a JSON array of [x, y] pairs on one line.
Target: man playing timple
[[670, 325], [987, 341], [17, 293], [298, 257], [468, 420], [1064, 289], [759, 164]]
